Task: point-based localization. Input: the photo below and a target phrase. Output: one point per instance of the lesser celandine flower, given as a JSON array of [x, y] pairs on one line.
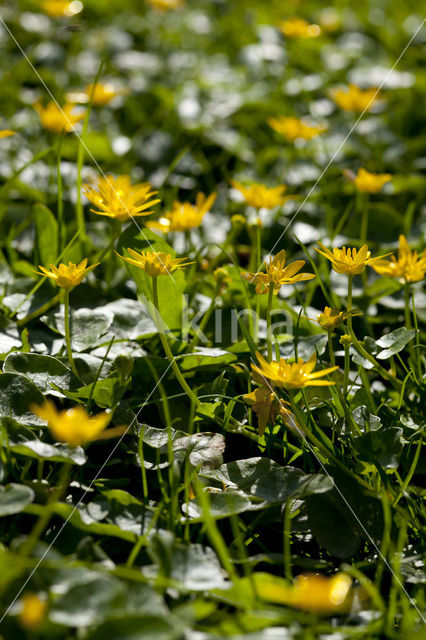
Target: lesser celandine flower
[[117, 198], [278, 274], [73, 426], [310, 592], [67, 276], [352, 98], [155, 264], [260, 196], [367, 182], [33, 611], [184, 216], [409, 266], [299, 28], [330, 318], [268, 408], [57, 119], [102, 93], [349, 261], [295, 128], [6, 133], [296, 375], [61, 8]]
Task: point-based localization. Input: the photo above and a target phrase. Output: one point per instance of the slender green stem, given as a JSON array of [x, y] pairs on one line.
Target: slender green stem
[[38, 312], [165, 344], [386, 538], [195, 340], [67, 332], [44, 519], [213, 532], [287, 539], [358, 346], [410, 473], [104, 253], [61, 227], [269, 322], [407, 306], [417, 338], [346, 372], [142, 463]]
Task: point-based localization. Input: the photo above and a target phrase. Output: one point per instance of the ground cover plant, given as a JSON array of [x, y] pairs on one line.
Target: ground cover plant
[[212, 319]]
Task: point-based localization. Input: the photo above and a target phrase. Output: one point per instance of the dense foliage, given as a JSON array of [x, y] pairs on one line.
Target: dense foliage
[[211, 413]]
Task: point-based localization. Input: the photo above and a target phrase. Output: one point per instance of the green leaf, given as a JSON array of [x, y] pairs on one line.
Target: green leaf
[[46, 234], [222, 505], [9, 337], [394, 342], [265, 480], [17, 394], [170, 287], [205, 449], [23, 442], [204, 357], [139, 627], [14, 498], [88, 327], [42, 370], [89, 602], [383, 446]]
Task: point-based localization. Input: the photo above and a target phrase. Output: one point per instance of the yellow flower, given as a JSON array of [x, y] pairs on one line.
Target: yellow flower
[[73, 426], [5, 133], [348, 261], [166, 5], [57, 119], [67, 276], [259, 196], [268, 407], [117, 198], [184, 215], [367, 182], [409, 266], [330, 318], [103, 93], [278, 274], [294, 128], [292, 376], [299, 28], [33, 611], [310, 592], [352, 98], [155, 264], [60, 8]]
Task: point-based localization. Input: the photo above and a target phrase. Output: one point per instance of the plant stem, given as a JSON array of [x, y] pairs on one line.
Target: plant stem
[[417, 337], [67, 332], [160, 326], [195, 340], [358, 346], [407, 306], [38, 312], [61, 228], [44, 519], [269, 322]]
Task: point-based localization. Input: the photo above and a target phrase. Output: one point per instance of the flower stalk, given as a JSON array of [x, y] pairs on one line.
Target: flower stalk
[[161, 332], [67, 331]]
